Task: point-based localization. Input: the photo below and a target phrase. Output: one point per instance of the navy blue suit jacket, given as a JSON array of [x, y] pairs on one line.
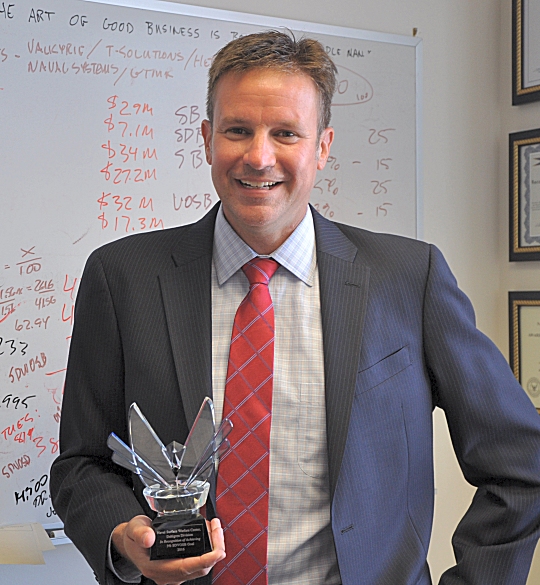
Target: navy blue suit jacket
[[399, 339]]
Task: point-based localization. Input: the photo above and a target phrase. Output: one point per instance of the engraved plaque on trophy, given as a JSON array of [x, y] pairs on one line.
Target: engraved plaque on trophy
[[176, 478]]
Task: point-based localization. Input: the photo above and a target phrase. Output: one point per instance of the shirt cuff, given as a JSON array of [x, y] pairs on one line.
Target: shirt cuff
[[125, 570]]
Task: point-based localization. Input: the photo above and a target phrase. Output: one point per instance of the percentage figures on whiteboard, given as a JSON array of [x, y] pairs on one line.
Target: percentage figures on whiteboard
[[368, 179], [332, 162], [324, 209], [327, 186]]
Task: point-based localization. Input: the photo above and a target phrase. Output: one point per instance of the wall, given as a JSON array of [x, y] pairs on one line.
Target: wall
[[514, 275], [467, 117]]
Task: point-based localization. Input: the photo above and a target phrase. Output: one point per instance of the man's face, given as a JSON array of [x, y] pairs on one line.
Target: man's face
[[265, 152]]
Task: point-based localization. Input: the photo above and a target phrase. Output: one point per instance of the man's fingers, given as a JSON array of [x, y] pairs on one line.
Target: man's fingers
[[216, 536], [137, 536], [139, 531]]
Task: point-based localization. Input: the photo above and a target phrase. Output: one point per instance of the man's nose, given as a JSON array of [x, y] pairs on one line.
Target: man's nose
[[260, 153]]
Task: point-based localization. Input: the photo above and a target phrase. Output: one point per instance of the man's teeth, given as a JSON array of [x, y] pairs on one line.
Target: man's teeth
[[260, 185]]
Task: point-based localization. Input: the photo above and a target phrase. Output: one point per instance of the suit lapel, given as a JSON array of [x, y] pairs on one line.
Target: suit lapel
[[186, 292], [343, 289]]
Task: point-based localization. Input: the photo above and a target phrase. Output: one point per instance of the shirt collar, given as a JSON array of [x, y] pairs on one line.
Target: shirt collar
[[296, 254]]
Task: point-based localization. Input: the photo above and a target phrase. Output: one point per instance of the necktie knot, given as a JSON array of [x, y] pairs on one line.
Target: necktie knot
[[260, 270]]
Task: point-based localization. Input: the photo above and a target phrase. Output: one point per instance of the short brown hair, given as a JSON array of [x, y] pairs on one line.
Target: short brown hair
[[279, 51]]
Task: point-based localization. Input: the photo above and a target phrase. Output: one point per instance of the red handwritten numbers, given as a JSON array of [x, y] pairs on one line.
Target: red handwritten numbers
[[21, 432], [129, 164], [29, 312], [70, 289]]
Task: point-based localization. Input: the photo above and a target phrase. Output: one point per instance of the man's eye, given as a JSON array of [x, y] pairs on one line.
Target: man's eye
[[238, 131], [287, 136]]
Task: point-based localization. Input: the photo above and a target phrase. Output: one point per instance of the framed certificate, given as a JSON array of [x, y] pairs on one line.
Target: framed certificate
[[524, 195], [524, 310], [525, 51]]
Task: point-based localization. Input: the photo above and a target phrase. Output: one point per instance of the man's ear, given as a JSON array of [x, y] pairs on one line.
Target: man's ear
[[325, 141], [206, 131]]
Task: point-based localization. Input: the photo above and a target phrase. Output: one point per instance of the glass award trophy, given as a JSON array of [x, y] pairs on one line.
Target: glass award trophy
[[176, 478]]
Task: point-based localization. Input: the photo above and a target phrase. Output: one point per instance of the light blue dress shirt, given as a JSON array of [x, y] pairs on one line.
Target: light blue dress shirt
[[300, 542]]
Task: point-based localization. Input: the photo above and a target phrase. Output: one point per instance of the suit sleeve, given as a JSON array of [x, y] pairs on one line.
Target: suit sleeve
[[90, 493], [495, 432]]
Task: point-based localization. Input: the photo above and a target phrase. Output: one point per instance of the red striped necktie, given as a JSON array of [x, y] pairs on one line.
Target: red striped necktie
[[243, 477]]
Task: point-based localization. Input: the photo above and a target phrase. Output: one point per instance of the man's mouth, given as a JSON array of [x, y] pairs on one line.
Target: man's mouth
[[258, 184]]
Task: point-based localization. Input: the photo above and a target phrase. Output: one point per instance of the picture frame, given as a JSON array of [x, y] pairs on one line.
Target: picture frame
[[524, 188], [525, 51], [524, 317]]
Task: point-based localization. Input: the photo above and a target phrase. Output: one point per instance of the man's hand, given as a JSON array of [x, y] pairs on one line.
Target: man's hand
[[133, 540]]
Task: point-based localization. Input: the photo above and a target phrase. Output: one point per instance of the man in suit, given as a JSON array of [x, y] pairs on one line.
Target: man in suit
[[371, 333]]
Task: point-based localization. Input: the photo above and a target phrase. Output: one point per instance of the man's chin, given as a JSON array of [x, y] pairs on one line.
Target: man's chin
[[257, 213]]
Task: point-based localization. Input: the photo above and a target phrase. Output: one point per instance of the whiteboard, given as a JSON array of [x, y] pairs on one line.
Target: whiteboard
[[100, 108]]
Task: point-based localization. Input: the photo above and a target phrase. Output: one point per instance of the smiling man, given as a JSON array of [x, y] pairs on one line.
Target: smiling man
[[265, 147], [343, 341]]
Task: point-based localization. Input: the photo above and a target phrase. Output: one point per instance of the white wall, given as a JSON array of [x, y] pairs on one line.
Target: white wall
[[514, 275], [467, 118]]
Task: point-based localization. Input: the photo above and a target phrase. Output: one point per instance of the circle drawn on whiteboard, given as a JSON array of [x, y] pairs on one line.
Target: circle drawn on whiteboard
[[352, 89], [533, 387]]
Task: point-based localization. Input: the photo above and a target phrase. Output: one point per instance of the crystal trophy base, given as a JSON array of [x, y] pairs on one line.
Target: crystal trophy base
[[180, 530]]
